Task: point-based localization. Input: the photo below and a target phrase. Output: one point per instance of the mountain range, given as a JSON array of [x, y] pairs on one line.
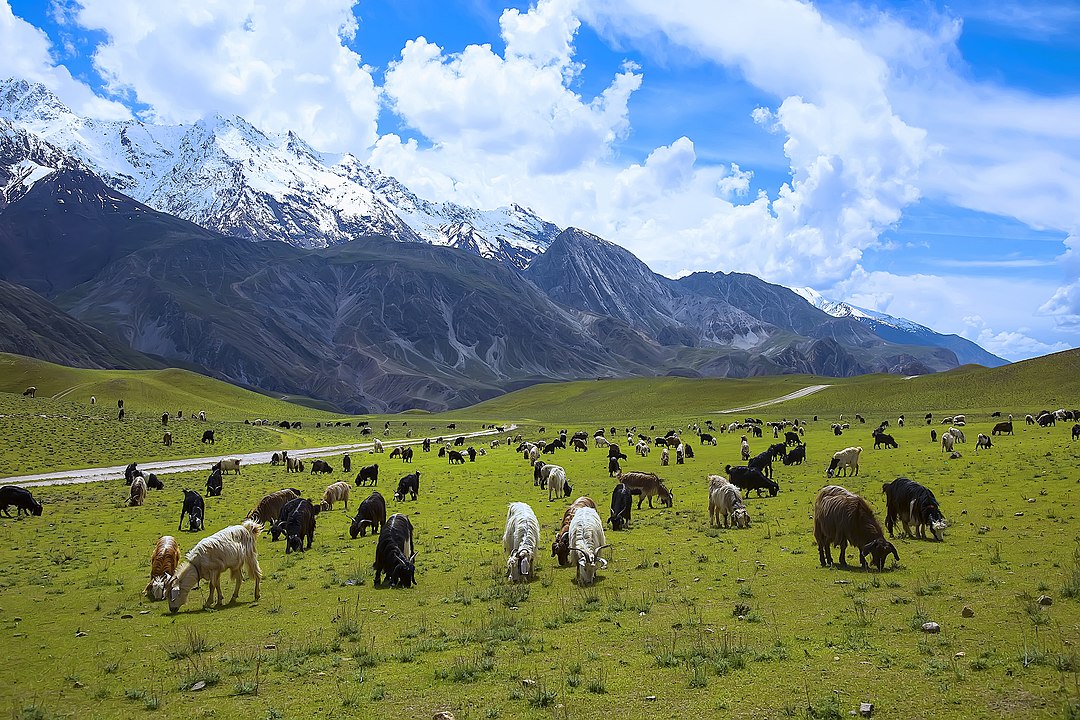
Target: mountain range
[[266, 263]]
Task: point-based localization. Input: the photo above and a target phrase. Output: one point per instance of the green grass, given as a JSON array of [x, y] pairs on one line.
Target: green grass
[[739, 621]]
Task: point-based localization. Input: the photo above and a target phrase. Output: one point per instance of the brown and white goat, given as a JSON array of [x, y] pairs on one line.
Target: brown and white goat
[[843, 518]]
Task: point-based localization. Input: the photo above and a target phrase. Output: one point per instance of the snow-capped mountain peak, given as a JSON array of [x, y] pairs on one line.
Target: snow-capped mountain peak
[[838, 308], [227, 175]]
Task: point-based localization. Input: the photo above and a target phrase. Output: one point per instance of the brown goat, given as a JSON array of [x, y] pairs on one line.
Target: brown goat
[[561, 547], [841, 518], [269, 508], [646, 485], [162, 566]]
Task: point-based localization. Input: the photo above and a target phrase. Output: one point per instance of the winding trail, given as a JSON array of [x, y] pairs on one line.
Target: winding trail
[[809, 390], [165, 467]]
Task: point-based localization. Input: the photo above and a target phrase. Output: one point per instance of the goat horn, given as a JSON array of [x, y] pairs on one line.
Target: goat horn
[[602, 547]]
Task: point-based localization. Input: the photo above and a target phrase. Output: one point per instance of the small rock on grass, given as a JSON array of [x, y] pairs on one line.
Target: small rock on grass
[[931, 627], [1045, 600], [967, 612], [866, 709]]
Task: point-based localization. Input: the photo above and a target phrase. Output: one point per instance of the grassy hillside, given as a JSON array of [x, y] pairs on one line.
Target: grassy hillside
[[147, 391], [686, 621]]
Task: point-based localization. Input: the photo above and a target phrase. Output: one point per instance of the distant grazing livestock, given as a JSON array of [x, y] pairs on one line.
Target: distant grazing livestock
[[796, 456], [370, 515], [138, 491], [214, 484], [707, 439], [958, 434], [557, 483], [776, 451], [600, 441], [407, 455], [30, 392], [93, 400], [844, 461], [843, 518], [227, 464], [1003, 428], [269, 508], [459, 441], [579, 445], [410, 484], [279, 458], [336, 492], [455, 457], [378, 446], [744, 448], [120, 414], [642, 448], [208, 437], [163, 562], [586, 541], [983, 441], [471, 452], [426, 445], [520, 541], [233, 549], [166, 439], [1075, 432], [726, 502], [884, 439], [912, 504], [613, 451], [194, 509], [646, 486], [394, 554], [164, 419], [947, 441], [664, 457], [277, 525], [346, 463], [21, 498], [748, 478], [299, 523], [202, 415], [1046, 419], [762, 462], [561, 547], [153, 483], [688, 451], [396, 452], [622, 501], [293, 464], [130, 472], [1030, 420], [791, 438], [321, 466], [933, 435]]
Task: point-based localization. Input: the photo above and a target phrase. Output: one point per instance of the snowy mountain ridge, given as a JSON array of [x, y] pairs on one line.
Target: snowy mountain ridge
[[227, 175]]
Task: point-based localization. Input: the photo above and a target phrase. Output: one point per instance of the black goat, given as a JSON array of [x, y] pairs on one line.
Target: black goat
[[194, 509], [394, 555], [372, 513]]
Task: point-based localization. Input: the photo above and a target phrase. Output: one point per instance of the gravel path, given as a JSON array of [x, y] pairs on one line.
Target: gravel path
[[165, 467], [810, 390]]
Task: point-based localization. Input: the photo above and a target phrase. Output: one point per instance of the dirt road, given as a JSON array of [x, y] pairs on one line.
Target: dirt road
[[810, 390]]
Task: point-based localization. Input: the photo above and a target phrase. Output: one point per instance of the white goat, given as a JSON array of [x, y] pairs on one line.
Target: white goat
[[378, 445], [664, 457], [586, 541], [958, 434], [844, 461], [138, 491], [557, 482], [725, 501], [600, 441], [335, 492], [520, 540], [947, 440], [232, 549], [643, 448]]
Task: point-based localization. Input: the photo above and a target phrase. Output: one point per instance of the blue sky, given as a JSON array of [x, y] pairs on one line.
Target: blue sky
[[918, 159]]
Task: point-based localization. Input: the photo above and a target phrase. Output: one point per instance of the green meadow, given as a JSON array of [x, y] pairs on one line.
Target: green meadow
[[686, 621]]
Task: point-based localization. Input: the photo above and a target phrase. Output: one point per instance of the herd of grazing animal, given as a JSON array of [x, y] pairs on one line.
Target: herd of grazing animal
[[840, 517]]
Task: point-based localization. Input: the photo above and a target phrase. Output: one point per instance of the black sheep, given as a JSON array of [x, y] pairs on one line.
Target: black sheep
[[21, 498]]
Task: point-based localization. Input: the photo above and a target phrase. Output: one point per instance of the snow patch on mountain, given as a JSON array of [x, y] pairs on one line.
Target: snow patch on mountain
[[842, 309]]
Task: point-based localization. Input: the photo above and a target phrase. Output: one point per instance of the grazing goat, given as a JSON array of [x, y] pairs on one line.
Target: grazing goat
[[912, 504], [371, 514], [646, 485], [335, 492], [455, 457], [947, 440], [293, 464], [725, 501], [226, 465], [1003, 428], [138, 491], [321, 466], [958, 434], [163, 562], [561, 547], [194, 509], [983, 441], [269, 508], [622, 501], [368, 474], [791, 438], [21, 498], [233, 549], [520, 540], [208, 437], [748, 478], [1075, 432], [706, 438], [30, 392], [613, 467], [762, 462], [408, 485], [297, 521], [744, 448], [881, 438], [796, 456], [664, 457], [586, 541], [557, 483], [843, 461], [166, 439], [843, 518], [214, 484], [394, 554]]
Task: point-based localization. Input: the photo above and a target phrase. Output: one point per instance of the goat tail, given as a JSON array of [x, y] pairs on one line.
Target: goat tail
[[253, 527]]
